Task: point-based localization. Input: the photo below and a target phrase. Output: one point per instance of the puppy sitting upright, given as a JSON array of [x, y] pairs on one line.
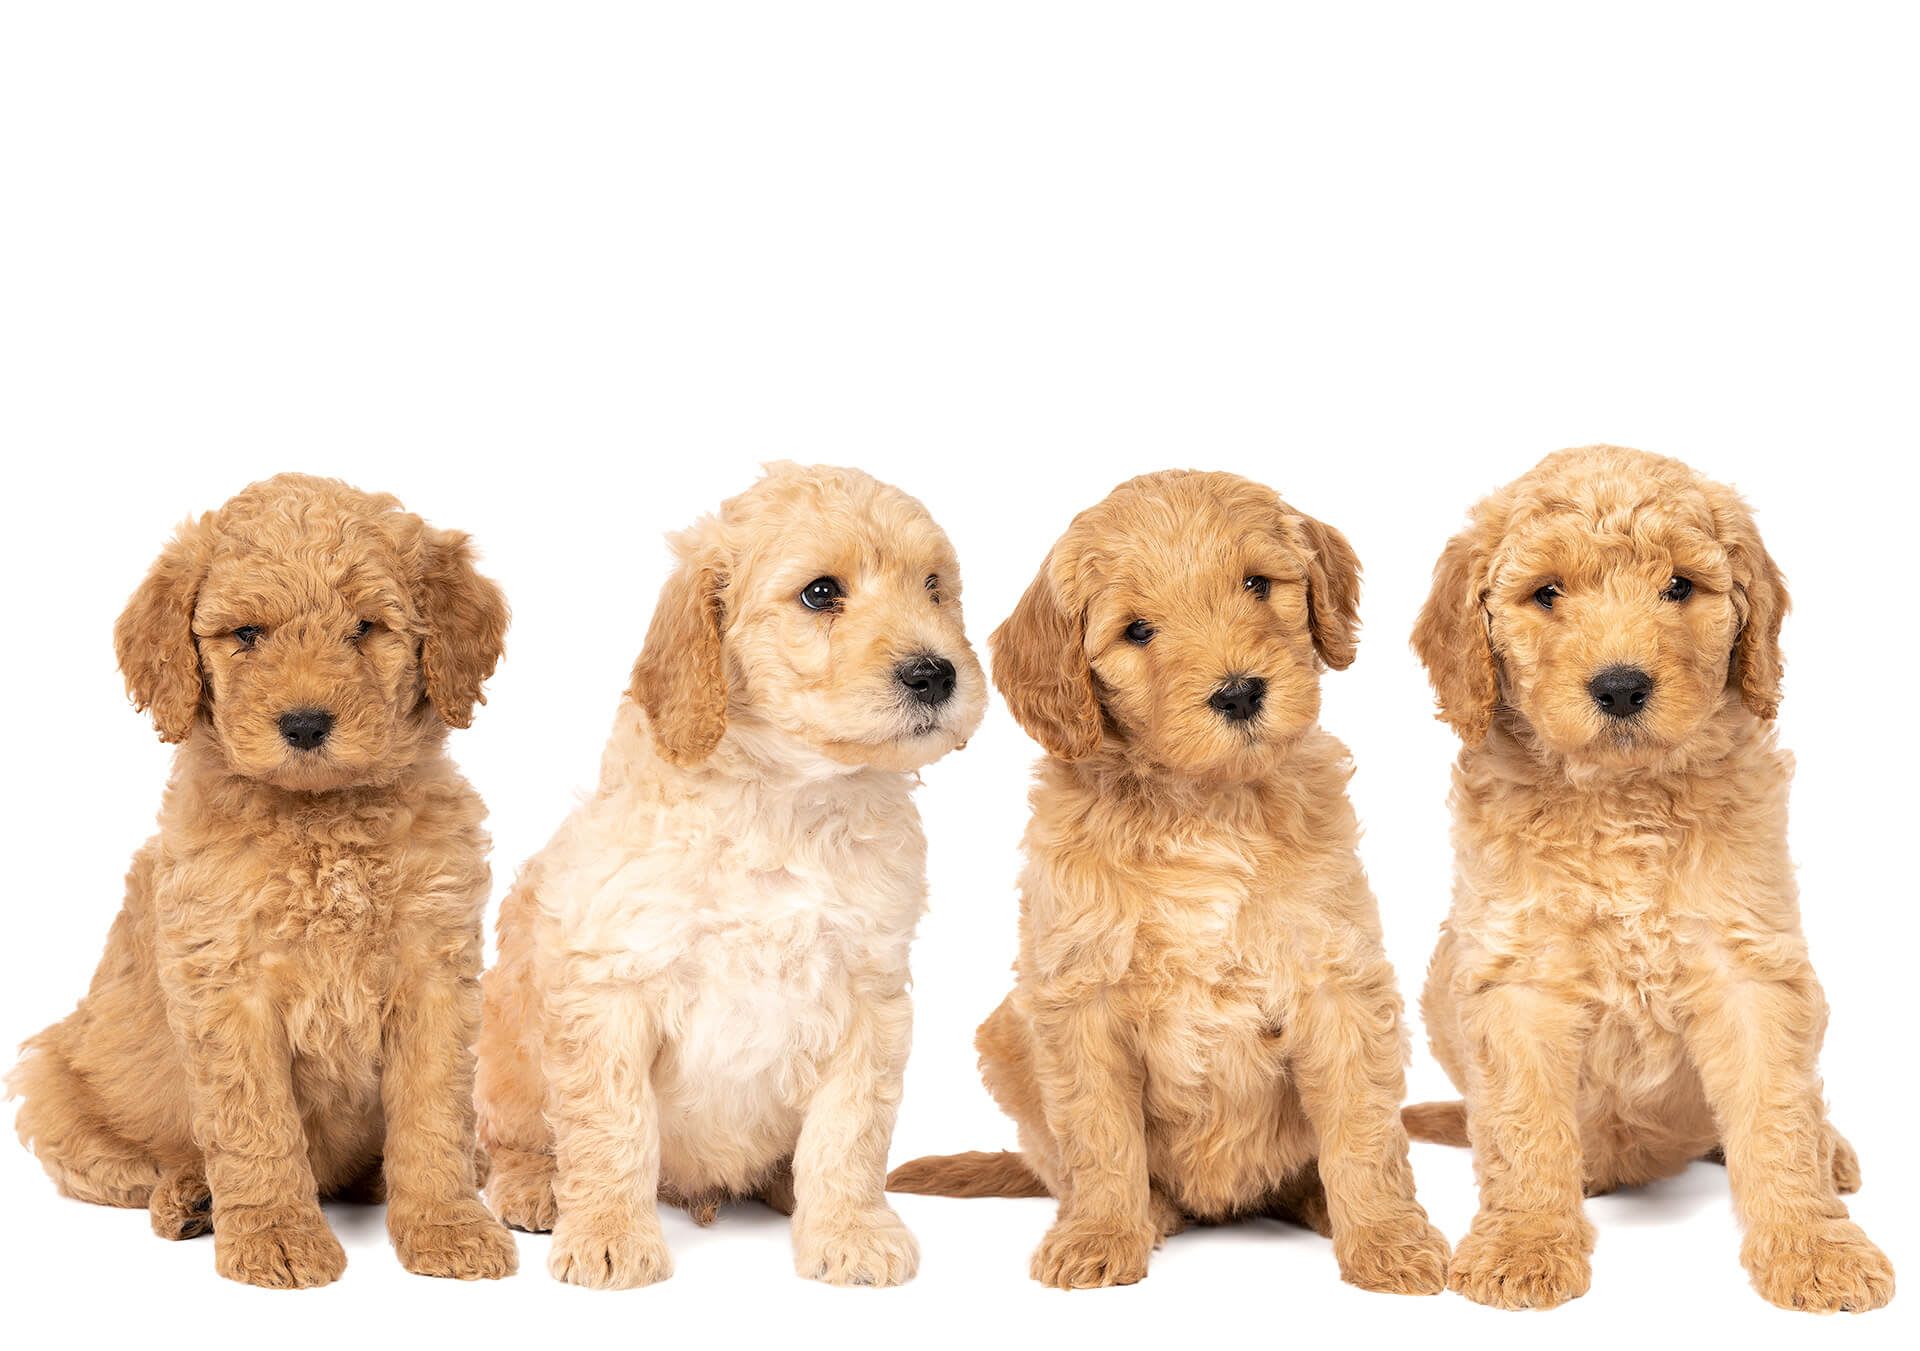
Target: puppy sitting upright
[[1204, 1023], [702, 985], [1622, 985], [288, 1000]]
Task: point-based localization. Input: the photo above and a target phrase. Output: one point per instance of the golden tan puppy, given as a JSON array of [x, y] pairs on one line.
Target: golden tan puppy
[[702, 986], [1622, 985], [1204, 1023], [288, 1000]]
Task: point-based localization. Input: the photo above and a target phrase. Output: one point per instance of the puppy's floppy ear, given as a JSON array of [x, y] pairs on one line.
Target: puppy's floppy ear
[[1760, 598], [1451, 637], [1040, 667], [466, 623], [153, 637], [680, 678], [1333, 592]]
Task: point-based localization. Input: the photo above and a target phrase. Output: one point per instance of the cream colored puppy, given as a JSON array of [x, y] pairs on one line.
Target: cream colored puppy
[[702, 985]]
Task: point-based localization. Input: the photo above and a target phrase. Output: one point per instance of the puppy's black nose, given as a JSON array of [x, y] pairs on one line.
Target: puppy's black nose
[[305, 728], [1621, 691], [928, 679], [1240, 698]]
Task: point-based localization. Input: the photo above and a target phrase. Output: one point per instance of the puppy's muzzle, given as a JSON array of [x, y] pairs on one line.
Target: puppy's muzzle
[[1239, 699], [1620, 691], [927, 678], [305, 728]]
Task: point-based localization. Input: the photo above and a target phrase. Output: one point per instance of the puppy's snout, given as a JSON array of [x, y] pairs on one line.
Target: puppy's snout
[[1239, 698], [1621, 691], [305, 728], [927, 678]]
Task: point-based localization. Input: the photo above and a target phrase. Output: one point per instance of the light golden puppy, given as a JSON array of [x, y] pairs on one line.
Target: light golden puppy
[[288, 1000], [1204, 1023], [702, 985], [1622, 986]]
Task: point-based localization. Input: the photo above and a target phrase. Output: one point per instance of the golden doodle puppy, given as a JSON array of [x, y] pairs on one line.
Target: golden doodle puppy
[[1203, 1024], [289, 998], [1622, 986], [702, 986]]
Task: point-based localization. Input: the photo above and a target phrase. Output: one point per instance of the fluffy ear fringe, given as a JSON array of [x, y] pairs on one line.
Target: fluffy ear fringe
[[1040, 667]]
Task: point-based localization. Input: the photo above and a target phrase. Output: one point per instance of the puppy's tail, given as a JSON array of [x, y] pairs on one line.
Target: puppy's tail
[[1440, 1123], [977, 1173]]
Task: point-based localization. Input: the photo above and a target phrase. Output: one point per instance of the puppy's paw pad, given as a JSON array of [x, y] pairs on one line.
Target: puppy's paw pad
[[1404, 1257], [874, 1249], [523, 1198], [1524, 1262], [604, 1259], [1083, 1255], [1828, 1266], [464, 1244], [181, 1206], [290, 1254]]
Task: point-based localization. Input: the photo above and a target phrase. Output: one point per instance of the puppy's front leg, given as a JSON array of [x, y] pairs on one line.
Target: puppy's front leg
[[267, 1225], [434, 1216], [601, 1042], [844, 1232], [1529, 1245], [1344, 1042], [1755, 1037], [1090, 1085]]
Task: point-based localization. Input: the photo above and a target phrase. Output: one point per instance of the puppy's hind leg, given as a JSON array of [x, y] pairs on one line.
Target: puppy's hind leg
[[182, 1204], [67, 1128]]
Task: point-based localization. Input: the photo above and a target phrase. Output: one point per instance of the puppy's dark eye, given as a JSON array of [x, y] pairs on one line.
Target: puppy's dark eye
[[1140, 632], [248, 634], [1677, 590], [1260, 586], [933, 586], [365, 627], [1544, 597], [822, 593]]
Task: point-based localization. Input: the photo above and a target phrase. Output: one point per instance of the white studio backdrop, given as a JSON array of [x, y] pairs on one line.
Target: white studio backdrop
[[563, 276]]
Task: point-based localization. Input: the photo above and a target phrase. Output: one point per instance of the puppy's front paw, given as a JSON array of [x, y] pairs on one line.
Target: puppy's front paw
[[1523, 1261], [602, 1255], [287, 1250], [873, 1248], [463, 1242], [1085, 1254], [1404, 1256], [181, 1206], [1825, 1266]]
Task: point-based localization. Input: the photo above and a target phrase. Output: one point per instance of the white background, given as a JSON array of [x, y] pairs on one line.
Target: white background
[[562, 275]]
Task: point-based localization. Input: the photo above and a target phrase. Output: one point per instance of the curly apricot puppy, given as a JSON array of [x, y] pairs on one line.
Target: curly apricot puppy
[[1622, 986], [289, 997], [702, 985], [1204, 1023]]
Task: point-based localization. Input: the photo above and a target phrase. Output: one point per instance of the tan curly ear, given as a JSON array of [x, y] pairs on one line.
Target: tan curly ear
[[680, 678], [153, 638], [1451, 639], [1333, 593], [1040, 667], [466, 623], [1760, 595]]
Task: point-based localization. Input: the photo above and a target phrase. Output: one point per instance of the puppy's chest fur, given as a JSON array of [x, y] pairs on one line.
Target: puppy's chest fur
[[1203, 923], [1626, 894], [755, 919], [310, 906]]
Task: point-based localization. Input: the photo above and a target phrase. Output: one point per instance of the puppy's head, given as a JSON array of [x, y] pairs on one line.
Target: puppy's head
[[823, 606], [318, 633], [1185, 618], [1613, 600]]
